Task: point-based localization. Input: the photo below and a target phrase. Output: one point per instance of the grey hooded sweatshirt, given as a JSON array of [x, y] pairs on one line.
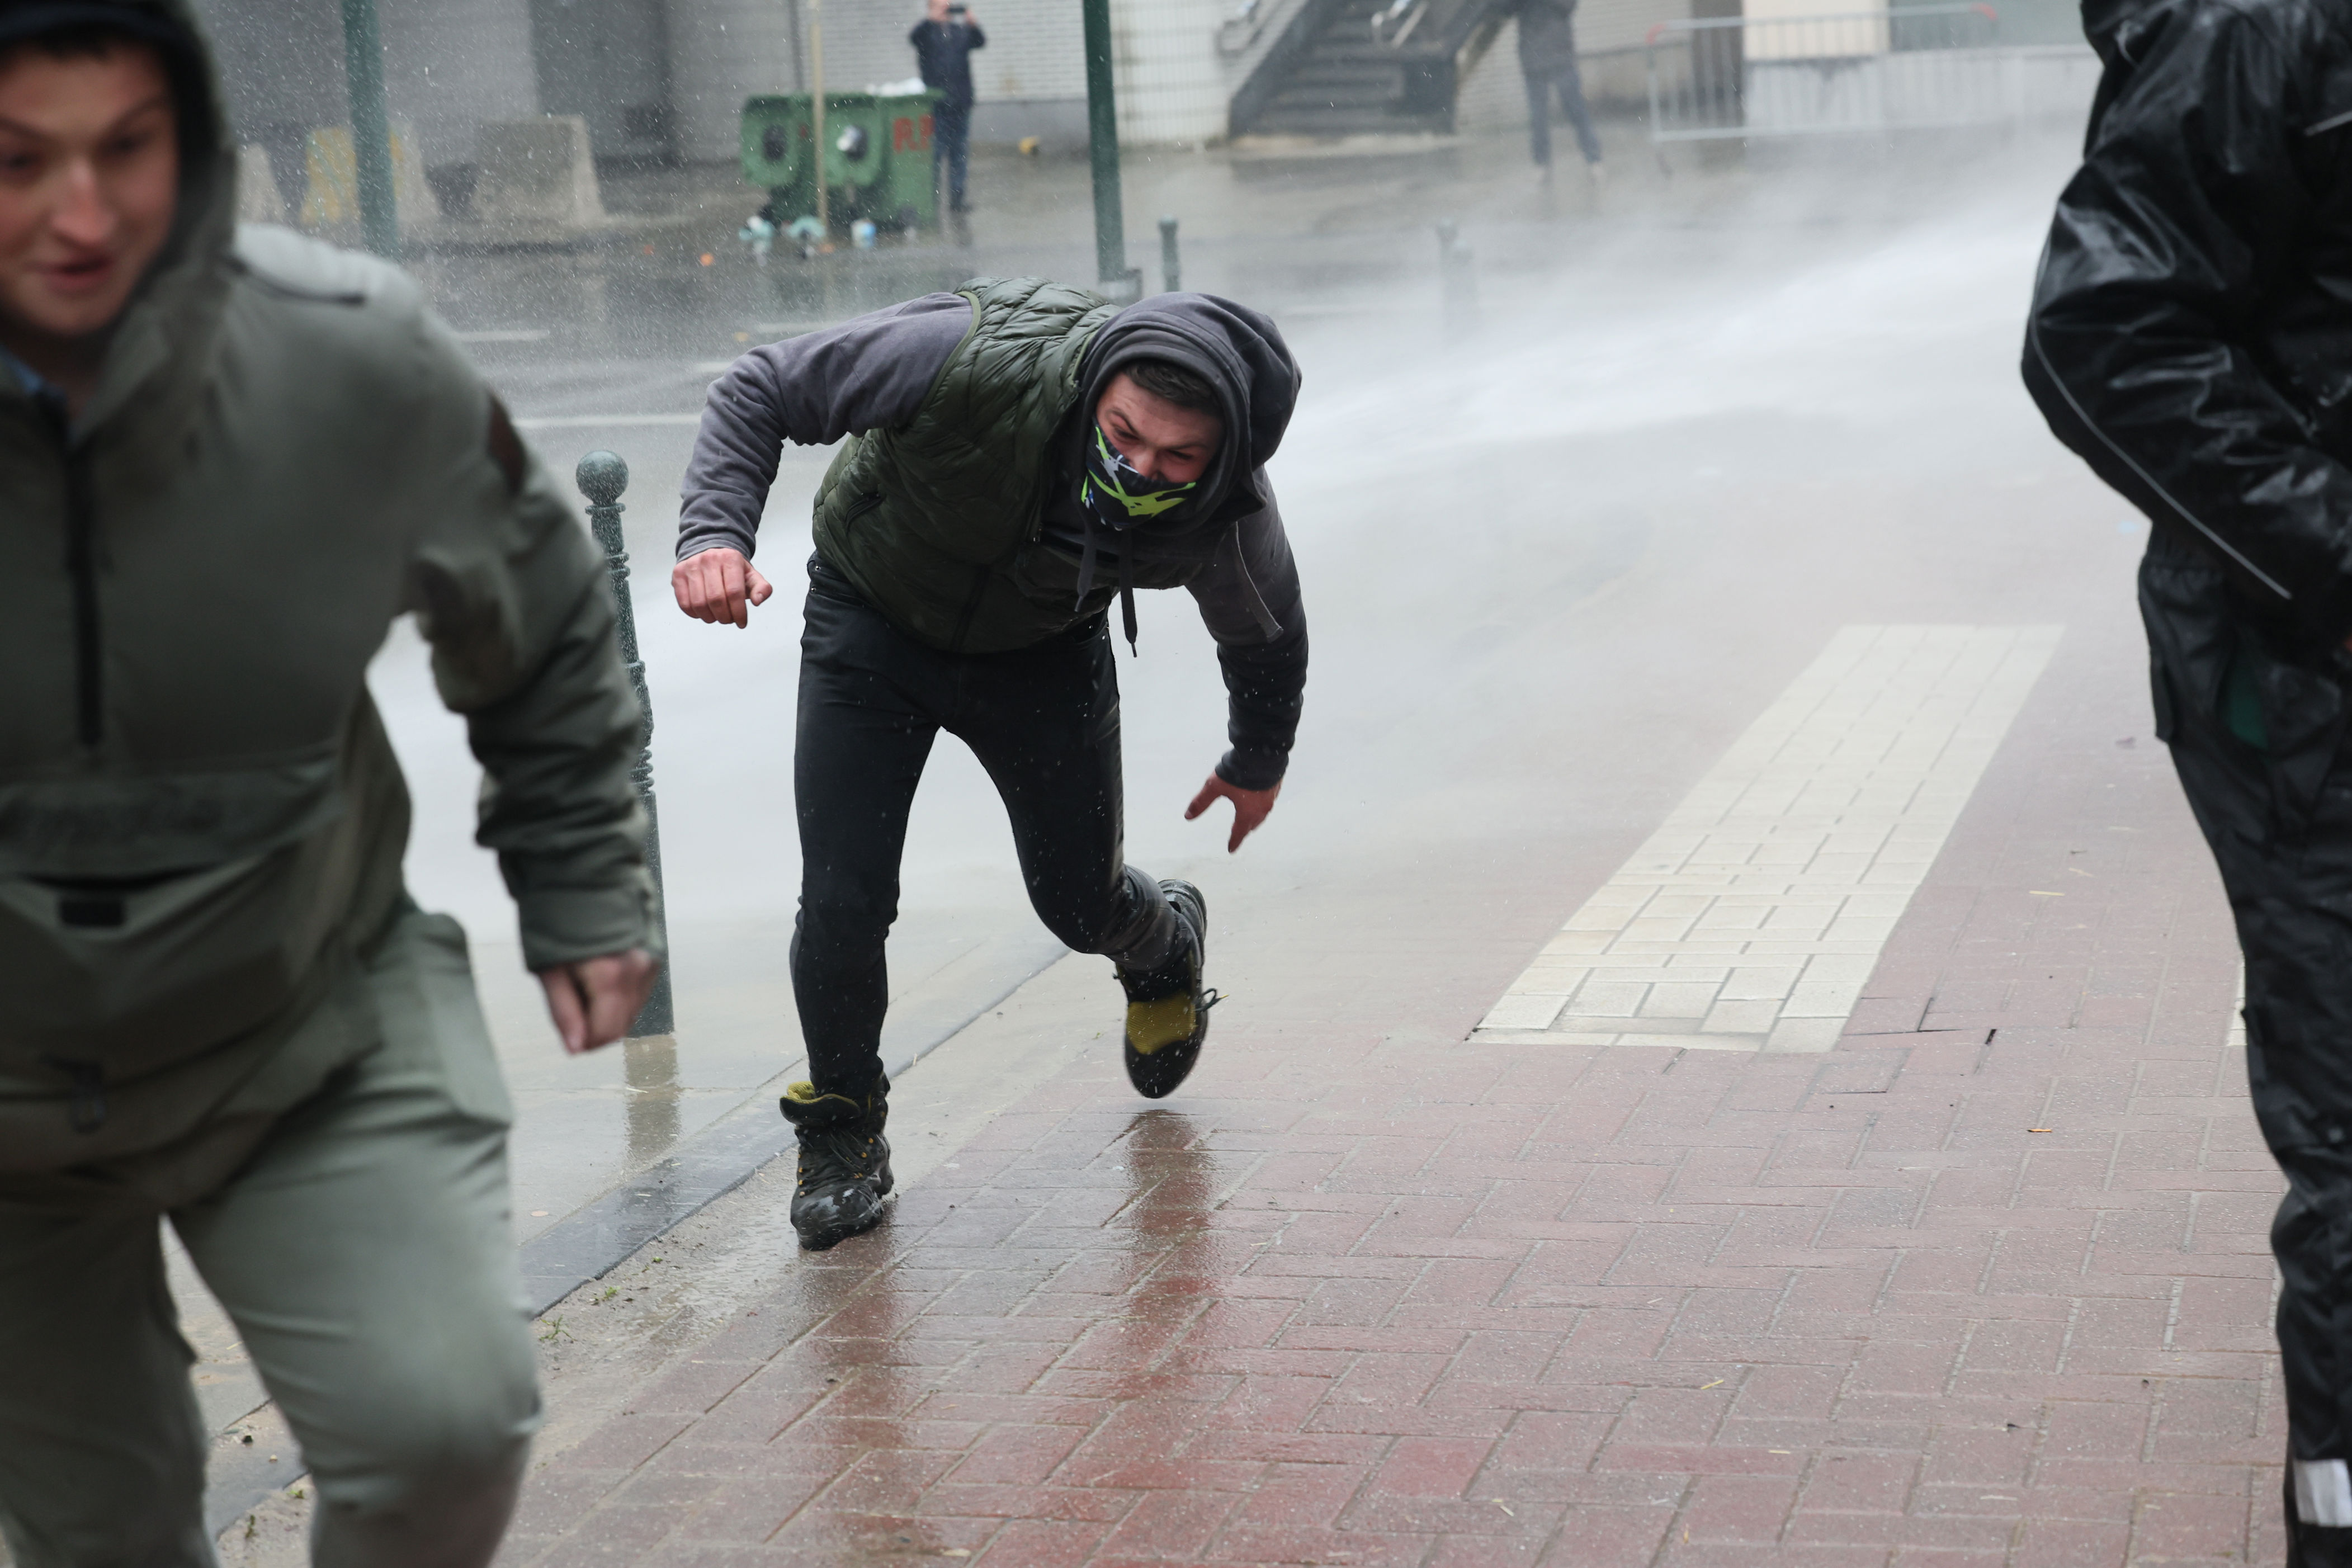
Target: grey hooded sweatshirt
[[875, 373]]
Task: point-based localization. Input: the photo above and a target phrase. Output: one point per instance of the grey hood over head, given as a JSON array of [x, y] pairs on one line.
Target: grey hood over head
[[1236, 349], [157, 347]]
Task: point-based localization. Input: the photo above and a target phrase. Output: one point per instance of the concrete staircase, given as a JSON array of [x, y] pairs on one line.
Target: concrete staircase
[[1347, 68]]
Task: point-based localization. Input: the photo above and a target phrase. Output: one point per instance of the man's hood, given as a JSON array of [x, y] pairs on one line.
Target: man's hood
[[1237, 350], [2108, 25], [172, 315]]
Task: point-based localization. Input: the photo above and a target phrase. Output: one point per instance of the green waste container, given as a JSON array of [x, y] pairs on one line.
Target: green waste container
[[877, 156]]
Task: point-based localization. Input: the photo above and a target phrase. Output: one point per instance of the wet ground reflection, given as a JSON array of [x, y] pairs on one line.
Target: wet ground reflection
[[650, 1068], [1171, 1177]]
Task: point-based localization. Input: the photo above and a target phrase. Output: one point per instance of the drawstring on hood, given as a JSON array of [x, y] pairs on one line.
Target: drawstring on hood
[[1237, 350]]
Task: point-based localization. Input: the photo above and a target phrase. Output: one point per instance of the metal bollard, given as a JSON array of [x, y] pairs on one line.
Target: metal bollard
[[601, 477], [1168, 267], [1460, 283]]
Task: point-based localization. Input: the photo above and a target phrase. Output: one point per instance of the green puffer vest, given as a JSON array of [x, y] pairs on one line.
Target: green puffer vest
[[935, 523]]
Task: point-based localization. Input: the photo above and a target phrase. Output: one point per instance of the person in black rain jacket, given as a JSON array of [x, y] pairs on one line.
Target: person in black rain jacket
[[2191, 339]]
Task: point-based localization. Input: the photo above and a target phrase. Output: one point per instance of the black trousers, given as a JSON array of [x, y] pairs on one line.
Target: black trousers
[[2259, 744], [1043, 722], [1570, 85], [951, 145]]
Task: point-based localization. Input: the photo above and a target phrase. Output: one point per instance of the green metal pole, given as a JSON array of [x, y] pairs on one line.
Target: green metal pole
[[1102, 151], [371, 128], [602, 478]]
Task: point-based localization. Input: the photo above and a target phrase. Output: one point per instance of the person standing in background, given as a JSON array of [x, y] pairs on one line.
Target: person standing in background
[[943, 42], [1547, 60]]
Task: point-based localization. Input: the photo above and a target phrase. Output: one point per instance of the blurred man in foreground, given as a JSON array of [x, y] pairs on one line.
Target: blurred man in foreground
[[227, 461], [1019, 455], [2191, 339]]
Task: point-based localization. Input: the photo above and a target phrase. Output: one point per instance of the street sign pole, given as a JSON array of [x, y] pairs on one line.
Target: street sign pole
[[817, 112], [371, 128], [1117, 281]]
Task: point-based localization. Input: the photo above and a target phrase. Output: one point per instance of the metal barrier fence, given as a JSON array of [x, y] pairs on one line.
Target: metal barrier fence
[[1908, 68]]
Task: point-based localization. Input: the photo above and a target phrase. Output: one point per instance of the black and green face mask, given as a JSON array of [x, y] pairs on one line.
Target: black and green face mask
[[1120, 497]]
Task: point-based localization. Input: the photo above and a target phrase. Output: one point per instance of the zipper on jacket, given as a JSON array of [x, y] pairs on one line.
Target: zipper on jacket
[[81, 569], [980, 576]]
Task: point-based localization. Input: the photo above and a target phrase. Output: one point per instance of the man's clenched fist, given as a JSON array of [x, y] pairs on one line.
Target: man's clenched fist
[[718, 586]]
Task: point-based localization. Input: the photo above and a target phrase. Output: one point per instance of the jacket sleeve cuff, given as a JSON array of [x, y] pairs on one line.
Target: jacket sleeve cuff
[[564, 925], [1253, 768], [698, 535]]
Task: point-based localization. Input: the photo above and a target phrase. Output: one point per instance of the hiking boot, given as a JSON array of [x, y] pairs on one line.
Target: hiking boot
[[845, 1167], [1167, 1010]]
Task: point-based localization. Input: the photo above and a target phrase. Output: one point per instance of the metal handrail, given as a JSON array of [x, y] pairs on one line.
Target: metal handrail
[[1916, 66], [1409, 11], [1237, 32], [1885, 13]]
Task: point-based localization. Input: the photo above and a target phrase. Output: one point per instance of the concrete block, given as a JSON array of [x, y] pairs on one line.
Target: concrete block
[[258, 199], [331, 197], [537, 171]]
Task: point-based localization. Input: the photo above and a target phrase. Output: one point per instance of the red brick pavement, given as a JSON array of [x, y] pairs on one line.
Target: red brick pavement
[[1985, 1286]]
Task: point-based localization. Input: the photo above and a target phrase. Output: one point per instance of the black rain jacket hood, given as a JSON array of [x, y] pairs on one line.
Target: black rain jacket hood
[[2108, 25], [2191, 329]]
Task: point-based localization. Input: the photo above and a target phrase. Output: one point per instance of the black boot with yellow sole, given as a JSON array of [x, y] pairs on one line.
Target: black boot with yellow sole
[[1167, 1010]]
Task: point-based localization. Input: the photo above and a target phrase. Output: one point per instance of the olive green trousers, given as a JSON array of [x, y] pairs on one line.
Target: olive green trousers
[[365, 1253]]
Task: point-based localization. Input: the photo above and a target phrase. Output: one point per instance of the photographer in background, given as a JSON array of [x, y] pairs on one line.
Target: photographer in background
[[943, 42]]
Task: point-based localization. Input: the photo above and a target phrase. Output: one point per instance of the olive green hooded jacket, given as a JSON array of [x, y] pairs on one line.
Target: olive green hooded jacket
[[201, 821]]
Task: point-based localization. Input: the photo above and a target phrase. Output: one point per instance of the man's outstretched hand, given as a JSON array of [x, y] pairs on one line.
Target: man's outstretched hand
[[718, 586], [1250, 806], [594, 1000]]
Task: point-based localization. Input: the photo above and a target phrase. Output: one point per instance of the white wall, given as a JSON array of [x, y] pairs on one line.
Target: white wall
[[723, 51], [1171, 84], [1034, 49], [451, 65], [1621, 24], [720, 53], [1032, 77]]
